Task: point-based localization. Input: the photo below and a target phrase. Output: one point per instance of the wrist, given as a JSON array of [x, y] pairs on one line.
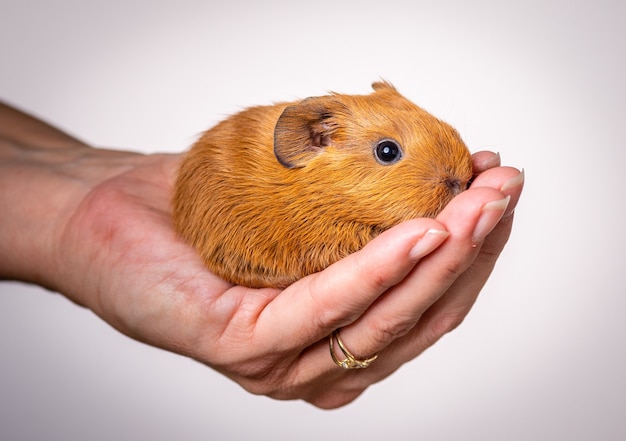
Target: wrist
[[35, 199], [41, 189]]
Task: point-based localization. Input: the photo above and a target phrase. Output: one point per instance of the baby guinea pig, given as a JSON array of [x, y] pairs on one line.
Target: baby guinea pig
[[275, 193]]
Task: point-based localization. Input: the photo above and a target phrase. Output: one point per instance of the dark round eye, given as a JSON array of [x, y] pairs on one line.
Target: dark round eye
[[387, 152]]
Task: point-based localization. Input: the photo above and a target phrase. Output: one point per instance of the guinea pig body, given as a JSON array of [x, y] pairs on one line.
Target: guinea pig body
[[275, 193]]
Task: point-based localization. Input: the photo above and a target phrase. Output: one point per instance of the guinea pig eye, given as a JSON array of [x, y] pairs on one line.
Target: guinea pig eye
[[387, 152]]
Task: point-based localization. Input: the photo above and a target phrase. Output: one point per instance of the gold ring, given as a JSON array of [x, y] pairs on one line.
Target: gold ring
[[350, 362]]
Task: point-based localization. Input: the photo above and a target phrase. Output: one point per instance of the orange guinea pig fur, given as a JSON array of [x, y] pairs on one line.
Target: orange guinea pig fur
[[277, 192]]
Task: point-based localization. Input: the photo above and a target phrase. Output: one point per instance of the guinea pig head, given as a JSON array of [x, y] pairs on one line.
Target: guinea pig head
[[377, 159]]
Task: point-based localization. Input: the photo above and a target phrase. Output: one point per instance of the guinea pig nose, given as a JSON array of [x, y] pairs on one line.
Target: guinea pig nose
[[454, 185]]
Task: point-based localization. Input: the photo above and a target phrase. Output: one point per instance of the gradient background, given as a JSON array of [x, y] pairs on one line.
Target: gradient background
[[541, 356]]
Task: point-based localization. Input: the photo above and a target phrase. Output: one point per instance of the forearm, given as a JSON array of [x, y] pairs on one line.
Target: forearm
[[44, 175], [32, 193]]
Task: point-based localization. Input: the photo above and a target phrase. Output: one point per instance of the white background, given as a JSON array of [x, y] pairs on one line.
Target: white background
[[541, 356]]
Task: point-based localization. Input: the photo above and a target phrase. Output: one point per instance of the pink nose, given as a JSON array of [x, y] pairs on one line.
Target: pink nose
[[454, 185]]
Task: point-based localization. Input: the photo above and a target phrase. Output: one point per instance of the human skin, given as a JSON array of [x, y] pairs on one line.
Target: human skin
[[94, 225]]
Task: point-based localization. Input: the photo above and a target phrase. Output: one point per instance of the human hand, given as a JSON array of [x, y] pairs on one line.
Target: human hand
[[388, 298], [114, 251]]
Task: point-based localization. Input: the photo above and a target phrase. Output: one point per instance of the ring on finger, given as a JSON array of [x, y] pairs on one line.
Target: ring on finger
[[350, 362]]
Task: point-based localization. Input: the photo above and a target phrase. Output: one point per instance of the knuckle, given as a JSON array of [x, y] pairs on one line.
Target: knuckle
[[375, 277], [448, 271], [445, 323], [270, 385], [263, 375], [387, 331], [488, 255], [452, 270]]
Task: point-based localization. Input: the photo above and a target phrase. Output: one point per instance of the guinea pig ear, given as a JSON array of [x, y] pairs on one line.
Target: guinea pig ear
[[305, 129], [383, 85]]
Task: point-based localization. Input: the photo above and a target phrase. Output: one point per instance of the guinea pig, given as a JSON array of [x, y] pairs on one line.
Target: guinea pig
[[277, 192]]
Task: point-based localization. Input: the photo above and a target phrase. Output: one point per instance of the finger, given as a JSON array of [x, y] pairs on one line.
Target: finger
[[442, 316], [484, 160], [399, 310], [333, 386], [508, 180], [314, 306], [468, 218], [451, 309]]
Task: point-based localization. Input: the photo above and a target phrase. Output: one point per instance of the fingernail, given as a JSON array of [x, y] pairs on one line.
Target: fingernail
[[496, 160], [428, 242], [491, 214], [514, 182]]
